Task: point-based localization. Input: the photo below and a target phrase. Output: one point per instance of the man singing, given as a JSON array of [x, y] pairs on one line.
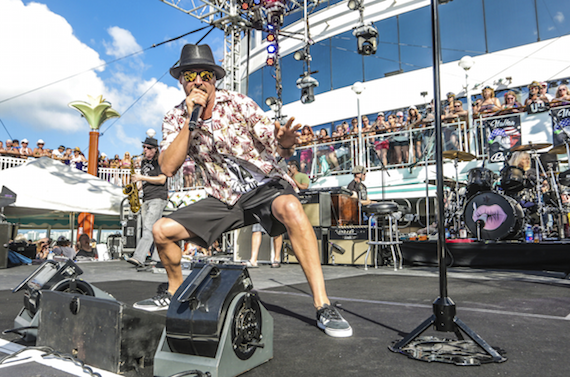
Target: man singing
[[235, 144]]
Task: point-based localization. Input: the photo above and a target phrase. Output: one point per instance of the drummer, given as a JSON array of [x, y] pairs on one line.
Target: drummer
[[520, 159]]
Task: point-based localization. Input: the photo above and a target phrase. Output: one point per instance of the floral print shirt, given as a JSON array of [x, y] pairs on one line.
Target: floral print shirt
[[239, 129]]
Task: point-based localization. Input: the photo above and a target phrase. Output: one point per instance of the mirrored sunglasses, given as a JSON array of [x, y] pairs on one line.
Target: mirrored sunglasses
[[206, 76]]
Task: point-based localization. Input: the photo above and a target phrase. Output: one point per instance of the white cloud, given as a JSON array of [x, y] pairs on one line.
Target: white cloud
[[559, 17], [39, 48], [42, 49], [123, 43]]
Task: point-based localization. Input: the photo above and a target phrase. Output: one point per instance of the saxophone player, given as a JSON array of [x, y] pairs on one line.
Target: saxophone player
[[155, 196]]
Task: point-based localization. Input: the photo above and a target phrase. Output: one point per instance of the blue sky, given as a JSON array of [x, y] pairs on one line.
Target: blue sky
[[48, 41]]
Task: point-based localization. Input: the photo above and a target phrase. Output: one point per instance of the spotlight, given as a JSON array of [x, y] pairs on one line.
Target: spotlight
[[307, 84], [367, 39], [300, 55], [270, 61], [354, 4], [272, 49], [273, 103]]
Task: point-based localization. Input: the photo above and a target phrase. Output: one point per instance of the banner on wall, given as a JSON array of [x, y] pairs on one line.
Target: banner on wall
[[502, 135], [560, 125]]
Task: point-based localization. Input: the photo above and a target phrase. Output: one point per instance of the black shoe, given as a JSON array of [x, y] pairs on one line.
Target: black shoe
[[330, 320], [132, 260], [157, 303]]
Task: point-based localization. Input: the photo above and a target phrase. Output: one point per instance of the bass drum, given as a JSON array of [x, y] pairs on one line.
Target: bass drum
[[502, 216]]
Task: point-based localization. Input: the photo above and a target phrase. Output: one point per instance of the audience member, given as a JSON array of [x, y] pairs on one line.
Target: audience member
[[415, 121], [490, 104], [381, 143], [533, 94], [39, 151], [2, 149], [543, 93], [126, 161], [42, 248], [13, 148], [325, 152], [511, 102], [115, 163], [562, 94], [78, 160], [301, 179], [67, 156], [57, 154], [342, 147], [25, 151], [307, 137], [449, 107], [63, 248], [84, 247], [400, 140]]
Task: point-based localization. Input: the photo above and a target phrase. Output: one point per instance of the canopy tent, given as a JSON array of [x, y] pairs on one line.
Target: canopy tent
[[48, 191]]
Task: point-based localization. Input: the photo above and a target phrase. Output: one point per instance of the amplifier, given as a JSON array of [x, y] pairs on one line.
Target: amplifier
[[350, 239], [102, 333], [288, 254], [242, 245], [317, 206]]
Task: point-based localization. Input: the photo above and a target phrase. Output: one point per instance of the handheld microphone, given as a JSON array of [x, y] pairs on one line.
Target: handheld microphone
[[196, 113]]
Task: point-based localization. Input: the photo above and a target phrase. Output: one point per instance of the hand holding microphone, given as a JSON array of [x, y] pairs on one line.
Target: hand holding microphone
[[195, 102]]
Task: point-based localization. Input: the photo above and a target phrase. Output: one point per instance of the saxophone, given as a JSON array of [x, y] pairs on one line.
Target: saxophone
[[132, 191]]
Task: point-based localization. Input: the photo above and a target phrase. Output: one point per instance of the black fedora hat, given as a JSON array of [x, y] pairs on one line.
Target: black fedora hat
[[151, 141], [196, 56]]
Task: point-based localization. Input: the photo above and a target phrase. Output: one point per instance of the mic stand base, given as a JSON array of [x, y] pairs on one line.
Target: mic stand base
[[459, 352]]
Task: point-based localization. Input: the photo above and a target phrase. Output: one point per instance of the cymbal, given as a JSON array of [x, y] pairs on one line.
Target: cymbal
[[559, 149], [530, 146], [448, 182], [460, 155]]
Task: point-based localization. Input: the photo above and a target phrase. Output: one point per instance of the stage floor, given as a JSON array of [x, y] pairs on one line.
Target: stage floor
[[526, 313]]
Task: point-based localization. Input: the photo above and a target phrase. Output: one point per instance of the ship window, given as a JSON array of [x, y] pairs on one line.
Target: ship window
[[386, 58], [415, 39], [462, 29], [344, 54], [553, 18], [255, 88], [510, 23]]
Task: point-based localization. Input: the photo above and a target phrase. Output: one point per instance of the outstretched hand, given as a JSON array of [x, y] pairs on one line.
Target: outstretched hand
[[286, 135]]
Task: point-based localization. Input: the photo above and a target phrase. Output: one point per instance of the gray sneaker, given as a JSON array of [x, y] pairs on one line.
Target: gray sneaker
[[330, 320], [159, 302]]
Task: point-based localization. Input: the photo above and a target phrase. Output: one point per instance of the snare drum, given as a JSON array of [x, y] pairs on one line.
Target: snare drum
[[479, 179], [512, 179], [502, 216]]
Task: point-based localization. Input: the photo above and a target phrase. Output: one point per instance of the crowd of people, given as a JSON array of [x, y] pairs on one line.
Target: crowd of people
[[398, 137], [46, 248]]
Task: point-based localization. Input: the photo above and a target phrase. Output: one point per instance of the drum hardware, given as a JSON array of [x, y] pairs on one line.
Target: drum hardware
[[457, 156], [530, 147], [560, 149]]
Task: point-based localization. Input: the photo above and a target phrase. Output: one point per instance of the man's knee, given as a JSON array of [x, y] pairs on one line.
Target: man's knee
[[166, 230], [290, 209]]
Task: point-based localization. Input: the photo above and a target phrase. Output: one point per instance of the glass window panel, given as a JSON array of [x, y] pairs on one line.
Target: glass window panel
[[386, 58], [510, 23], [460, 34], [291, 70], [415, 39], [255, 87], [553, 18], [321, 53], [343, 55], [268, 86], [291, 18]]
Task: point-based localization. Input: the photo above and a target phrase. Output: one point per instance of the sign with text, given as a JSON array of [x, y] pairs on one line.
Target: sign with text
[[502, 134], [560, 125]]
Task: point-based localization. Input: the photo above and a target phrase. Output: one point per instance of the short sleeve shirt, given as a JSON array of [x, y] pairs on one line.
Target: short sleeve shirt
[[239, 130]]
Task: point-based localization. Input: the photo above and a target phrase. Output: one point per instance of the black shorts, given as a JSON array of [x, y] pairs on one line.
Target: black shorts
[[210, 217]]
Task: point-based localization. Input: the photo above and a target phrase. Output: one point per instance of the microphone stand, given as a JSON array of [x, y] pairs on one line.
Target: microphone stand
[[444, 313]]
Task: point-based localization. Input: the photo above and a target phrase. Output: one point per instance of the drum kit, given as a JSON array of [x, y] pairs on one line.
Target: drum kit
[[497, 206]]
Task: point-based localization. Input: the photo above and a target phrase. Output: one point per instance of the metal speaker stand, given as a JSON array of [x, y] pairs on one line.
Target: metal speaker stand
[[444, 317], [50, 276], [215, 326]]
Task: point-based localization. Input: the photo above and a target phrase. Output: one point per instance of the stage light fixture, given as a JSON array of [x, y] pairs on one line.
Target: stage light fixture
[[273, 103], [270, 61], [367, 39], [300, 55], [354, 4], [307, 84]]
